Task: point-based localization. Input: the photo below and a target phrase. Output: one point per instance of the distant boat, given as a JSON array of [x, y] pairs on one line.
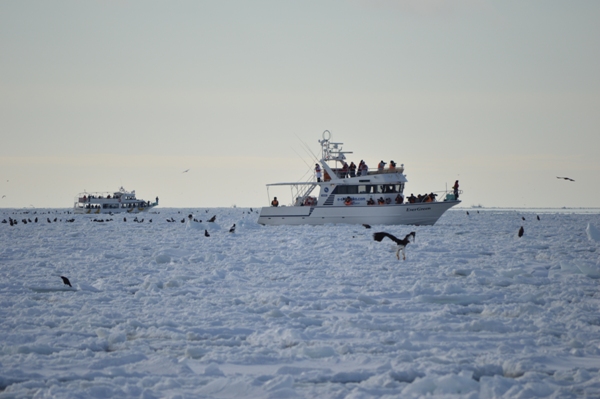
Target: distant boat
[[121, 201], [376, 197]]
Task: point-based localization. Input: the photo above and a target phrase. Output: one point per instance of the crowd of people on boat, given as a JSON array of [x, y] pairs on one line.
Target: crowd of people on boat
[[143, 204], [421, 198], [353, 170], [87, 199], [399, 199]]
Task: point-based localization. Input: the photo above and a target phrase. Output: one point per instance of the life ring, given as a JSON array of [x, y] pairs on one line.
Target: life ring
[[348, 201]]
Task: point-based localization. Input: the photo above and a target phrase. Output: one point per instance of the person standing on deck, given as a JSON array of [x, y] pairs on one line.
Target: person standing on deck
[[344, 171], [318, 172], [364, 170], [352, 169]]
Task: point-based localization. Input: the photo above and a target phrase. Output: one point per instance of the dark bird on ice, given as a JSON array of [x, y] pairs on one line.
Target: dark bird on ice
[[212, 219], [366, 226], [206, 233], [401, 243], [468, 213], [565, 178], [232, 229], [523, 217], [538, 217], [521, 231], [66, 281]]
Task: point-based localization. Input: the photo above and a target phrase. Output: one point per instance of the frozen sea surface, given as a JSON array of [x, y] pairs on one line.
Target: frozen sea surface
[[159, 310]]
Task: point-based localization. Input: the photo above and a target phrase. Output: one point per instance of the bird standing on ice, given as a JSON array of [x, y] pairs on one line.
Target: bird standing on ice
[[66, 281], [402, 243]]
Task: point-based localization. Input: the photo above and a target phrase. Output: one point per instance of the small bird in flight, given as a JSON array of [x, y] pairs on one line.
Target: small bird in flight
[[185, 171], [565, 178]]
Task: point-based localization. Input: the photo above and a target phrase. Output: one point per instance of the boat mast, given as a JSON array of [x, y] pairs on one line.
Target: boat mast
[[331, 151]]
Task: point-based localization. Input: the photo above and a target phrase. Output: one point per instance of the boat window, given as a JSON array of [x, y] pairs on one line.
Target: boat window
[[389, 188], [346, 190], [366, 189]]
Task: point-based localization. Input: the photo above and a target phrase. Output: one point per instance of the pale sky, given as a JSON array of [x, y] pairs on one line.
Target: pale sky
[[501, 95]]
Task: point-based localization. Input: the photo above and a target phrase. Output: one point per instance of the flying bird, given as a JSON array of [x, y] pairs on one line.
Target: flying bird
[[402, 243], [565, 178], [521, 231], [185, 171], [3, 196], [66, 281]]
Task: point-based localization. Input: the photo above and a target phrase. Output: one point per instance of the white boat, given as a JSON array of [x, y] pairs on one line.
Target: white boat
[[121, 201], [373, 197]]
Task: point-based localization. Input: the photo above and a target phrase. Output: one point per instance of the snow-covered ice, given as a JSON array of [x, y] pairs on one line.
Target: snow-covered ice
[[159, 310]]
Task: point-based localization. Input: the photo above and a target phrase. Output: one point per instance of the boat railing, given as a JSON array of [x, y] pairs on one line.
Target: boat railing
[[305, 191], [342, 174]]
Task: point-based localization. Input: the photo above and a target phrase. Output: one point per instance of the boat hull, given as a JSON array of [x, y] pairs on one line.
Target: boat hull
[[420, 214], [100, 211]]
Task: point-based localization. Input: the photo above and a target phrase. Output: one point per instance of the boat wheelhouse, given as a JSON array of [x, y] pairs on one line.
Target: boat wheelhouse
[[121, 201], [365, 197]]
